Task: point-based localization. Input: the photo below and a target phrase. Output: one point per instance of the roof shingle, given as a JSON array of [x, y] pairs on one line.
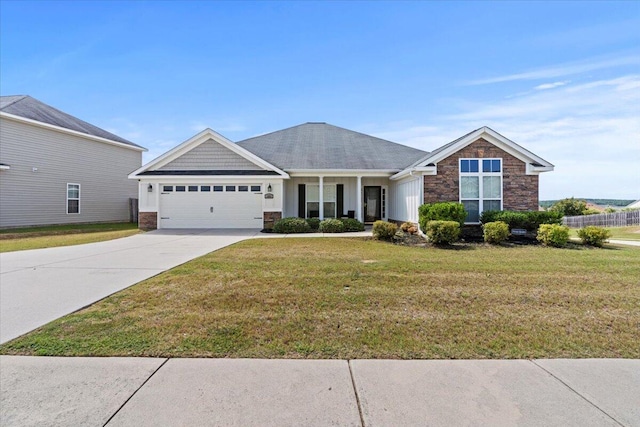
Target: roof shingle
[[323, 146], [30, 108]]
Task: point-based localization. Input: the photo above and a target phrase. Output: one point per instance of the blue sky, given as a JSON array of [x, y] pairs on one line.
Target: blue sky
[[560, 78]]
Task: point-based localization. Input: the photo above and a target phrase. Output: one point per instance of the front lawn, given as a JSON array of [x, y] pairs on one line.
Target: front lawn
[[351, 298], [62, 235], [617, 233]]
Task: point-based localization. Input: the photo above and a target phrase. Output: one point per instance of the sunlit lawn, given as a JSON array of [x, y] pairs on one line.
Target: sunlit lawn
[[349, 298], [62, 235]]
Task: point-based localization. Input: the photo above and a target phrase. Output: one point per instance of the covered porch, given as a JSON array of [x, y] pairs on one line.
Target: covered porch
[[361, 196]]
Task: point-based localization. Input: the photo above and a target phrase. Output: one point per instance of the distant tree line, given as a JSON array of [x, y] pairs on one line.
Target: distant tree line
[[600, 202]]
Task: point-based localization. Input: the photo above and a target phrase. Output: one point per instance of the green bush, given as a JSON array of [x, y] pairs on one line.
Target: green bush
[[331, 225], [352, 224], [383, 230], [443, 232], [291, 225], [594, 236], [591, 211], [495, 232], [569, 207], [442, 211], [529, 220], [314, 223], [553, 235]]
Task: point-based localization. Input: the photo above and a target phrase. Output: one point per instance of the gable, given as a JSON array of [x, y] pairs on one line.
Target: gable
[[491, 141], [210, 155]]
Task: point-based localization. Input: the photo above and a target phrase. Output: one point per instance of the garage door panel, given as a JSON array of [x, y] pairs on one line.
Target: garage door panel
[[210, 210]]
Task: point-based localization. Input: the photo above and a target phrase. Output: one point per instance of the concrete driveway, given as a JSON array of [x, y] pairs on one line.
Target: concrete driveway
[[41, 285]]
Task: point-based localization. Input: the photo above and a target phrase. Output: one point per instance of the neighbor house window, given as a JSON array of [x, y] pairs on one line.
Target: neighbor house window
[[313, 200], [480, 186], [73, 198]]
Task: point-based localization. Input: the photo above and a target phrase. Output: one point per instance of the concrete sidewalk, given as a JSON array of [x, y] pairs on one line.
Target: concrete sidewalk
[[42, 391], [41, 285]]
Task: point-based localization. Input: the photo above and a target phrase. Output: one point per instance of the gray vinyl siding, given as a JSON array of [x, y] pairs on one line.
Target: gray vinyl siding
[[39, 198], [210, 156]]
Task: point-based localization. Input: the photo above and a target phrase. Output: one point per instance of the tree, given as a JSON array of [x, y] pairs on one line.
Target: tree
[[569, 207]]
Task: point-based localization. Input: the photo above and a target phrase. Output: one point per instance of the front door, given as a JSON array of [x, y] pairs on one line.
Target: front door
[[372, 204]]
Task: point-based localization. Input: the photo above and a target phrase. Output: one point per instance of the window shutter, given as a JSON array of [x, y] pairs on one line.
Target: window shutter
[[302, 198], [339, 200]]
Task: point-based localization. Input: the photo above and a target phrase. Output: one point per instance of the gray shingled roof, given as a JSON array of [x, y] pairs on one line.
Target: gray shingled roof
[[30, 108], [324, 146]]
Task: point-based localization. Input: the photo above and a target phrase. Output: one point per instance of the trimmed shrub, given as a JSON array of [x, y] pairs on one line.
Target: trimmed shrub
[[442, 211], [331, 225], [495, 232], [443, 232], [594, 236], [352, 224], [553, 235], [291, 225], [383, 230], [529, 220], [314, 223]]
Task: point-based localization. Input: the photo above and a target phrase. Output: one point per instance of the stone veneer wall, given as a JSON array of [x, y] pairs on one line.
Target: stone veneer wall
[[147, 221], [270, 218], [519, 190]]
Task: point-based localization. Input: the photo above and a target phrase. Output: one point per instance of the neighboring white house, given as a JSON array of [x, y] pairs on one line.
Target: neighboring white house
[[634, 205], [58, 169], [320, 170]]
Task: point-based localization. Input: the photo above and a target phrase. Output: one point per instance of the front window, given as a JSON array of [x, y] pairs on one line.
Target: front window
[[480, 186], [329, 200], [73, 198]]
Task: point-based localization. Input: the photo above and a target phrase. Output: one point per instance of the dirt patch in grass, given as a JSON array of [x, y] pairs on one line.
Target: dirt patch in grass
[[321, 298]]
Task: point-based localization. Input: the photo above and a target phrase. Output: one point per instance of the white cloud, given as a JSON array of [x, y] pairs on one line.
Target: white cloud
[[561, 70], [551, 85], [591, 132]]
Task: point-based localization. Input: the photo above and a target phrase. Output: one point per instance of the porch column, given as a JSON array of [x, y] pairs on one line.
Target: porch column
[[321, 197], [359, 199]]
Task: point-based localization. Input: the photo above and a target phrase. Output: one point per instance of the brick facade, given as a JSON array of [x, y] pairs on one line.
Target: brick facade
[[519, 190], [270, 218], [147, 221]]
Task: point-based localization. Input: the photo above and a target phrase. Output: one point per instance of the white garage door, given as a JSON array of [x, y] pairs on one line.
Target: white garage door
[[210, 206]]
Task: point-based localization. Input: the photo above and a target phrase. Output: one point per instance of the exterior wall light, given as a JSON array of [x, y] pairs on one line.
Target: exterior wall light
[[150, 188], [269, 188]]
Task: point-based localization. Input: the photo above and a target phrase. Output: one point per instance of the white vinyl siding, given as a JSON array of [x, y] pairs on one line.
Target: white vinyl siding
[[43, 161], [407, 197], [210, 155]]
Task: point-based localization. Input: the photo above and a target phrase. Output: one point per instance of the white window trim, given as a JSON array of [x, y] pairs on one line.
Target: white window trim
[[78, 199], [306, 197], [480, 175]]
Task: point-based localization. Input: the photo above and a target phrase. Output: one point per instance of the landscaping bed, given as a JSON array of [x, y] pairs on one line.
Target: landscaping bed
[[355, 298]]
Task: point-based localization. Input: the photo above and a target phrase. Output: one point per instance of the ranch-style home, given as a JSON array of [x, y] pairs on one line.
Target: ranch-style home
[[324, 171], [58, 169]]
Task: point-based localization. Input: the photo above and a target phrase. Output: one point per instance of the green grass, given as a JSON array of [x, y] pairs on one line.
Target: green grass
[[62, 235], [350, 298], [617, 233]]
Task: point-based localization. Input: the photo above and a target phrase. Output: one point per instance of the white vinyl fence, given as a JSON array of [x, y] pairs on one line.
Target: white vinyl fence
[[617, 219]]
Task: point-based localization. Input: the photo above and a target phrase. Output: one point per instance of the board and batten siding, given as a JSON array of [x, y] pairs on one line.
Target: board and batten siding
[[38, 197], [406, 196], [210, 156]]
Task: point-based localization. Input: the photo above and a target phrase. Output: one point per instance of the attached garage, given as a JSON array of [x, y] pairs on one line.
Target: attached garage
[[210, 205]]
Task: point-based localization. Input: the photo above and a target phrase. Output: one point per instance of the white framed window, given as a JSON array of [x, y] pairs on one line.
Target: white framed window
[[329, 196], [480, 186], [73, 198]]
